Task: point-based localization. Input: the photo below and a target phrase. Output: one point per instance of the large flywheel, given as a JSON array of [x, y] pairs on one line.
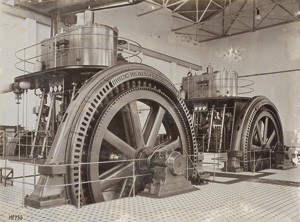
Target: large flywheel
[[132, 110], [261, 136]]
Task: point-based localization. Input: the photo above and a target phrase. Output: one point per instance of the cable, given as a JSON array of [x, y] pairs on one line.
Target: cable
[[270, 73]]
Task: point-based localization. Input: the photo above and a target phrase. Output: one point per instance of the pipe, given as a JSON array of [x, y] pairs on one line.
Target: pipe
[[37, 125], [222, 127], [14, 87], [210, 127], [88, 17]]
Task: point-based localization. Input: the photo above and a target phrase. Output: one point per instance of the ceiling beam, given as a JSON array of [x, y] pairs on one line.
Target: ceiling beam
[[183, 33], [288, 11], [218, 26], [211, 18], [267, 15], [223, 19], [179, 6], [217, 4], [148, 12], [192, 11], [178, 16], [187, 26], [205, 11], [235, 17], [248, 26], [210, 32], [234, 34]]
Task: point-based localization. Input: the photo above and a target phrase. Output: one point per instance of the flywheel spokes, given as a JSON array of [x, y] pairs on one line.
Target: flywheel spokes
[[129, 122], [119, 144], [263, 138]]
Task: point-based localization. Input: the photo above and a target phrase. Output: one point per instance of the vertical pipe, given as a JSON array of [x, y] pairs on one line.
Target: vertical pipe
[[254, 163], [4, 144], [55, 51], [232, 125], [226, 160], [218, 161], [34, 173], [24, 64], [222, 126], [187, 167], [23, 110], [53, 121], [210, 126], [5, 172], [18, 113], [133, 178], [23, 191], [214, 167], [53, 25], [52, 104], [37, 126], [26, 126], [79, 184], [254, 14], [270, 160]]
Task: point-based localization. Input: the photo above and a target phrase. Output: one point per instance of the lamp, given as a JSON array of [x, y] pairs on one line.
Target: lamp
[[298, 12], [258, 16]]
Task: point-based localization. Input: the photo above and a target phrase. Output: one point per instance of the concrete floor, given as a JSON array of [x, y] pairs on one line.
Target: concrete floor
[[269, 195]]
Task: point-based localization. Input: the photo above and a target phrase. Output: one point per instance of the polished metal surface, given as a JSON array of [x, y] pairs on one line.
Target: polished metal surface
[[253, 131], [214, 84], [81, 45], [122, 111]]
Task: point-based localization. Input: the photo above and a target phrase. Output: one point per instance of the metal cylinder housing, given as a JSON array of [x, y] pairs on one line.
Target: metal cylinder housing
[[89, 45]]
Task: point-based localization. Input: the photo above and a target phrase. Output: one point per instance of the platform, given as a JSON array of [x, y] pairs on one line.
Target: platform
[[269, 195]]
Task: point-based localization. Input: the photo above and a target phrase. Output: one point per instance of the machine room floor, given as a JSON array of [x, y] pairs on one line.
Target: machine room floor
[[269, 195]]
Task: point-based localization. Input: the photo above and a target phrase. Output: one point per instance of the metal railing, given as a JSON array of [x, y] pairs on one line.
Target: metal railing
[[245, 86], [223, 157], [217, 158], [80, 182], [29, 56], [26, 135], [255, 160]]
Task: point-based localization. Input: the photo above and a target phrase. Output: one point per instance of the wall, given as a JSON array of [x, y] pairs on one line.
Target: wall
[[152, 31], [268, 50], [17, 33]]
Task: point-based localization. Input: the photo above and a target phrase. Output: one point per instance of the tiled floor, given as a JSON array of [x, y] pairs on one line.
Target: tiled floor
[[270, 195]]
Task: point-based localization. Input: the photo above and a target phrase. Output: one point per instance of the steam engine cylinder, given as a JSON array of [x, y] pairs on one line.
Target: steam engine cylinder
[[211, 84], [88, 45]]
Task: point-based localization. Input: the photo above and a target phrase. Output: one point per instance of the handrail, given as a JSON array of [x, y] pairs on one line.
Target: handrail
[[80, 182], [25, 63], [245, 88]]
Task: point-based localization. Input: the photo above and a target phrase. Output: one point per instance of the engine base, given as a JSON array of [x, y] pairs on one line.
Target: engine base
[[41, 204], [168, 186]]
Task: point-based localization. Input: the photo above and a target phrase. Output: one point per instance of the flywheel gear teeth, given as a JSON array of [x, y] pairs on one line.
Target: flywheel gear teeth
[[91, 116]]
